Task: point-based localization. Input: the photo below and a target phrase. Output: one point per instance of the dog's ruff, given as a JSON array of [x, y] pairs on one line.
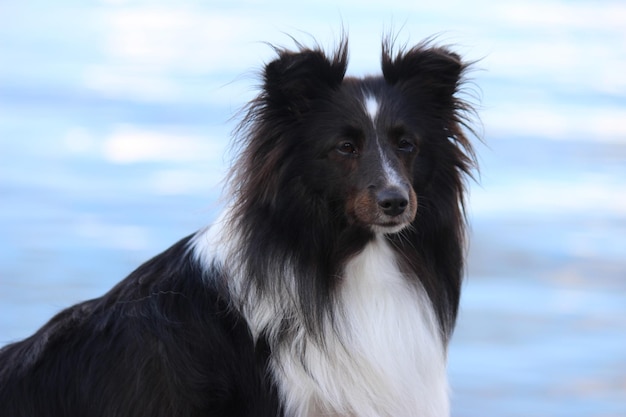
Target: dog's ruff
[[385, 356]]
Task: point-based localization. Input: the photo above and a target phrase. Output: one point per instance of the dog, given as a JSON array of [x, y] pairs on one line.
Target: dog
[[329, 285]]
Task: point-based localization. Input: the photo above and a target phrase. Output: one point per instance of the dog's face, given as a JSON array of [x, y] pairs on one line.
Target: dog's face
[[365, 147]]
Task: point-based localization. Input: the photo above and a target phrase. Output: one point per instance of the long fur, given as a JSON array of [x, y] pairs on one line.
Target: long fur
[[329, 286]]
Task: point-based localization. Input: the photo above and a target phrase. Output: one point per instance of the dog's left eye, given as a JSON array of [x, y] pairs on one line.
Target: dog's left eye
[[347, 148], [405, 145]]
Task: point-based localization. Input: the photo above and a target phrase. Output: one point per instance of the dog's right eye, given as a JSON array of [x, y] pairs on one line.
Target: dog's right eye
[[347, 148]]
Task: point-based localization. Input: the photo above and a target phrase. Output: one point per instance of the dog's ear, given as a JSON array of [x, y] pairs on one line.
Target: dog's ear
[[295, 78], [434, 71]]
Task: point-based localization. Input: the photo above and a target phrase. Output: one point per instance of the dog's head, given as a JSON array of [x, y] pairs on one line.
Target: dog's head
[[368, 146]]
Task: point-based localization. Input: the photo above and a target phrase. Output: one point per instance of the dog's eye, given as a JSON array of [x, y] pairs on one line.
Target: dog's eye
[[405, 145], [347, 148]]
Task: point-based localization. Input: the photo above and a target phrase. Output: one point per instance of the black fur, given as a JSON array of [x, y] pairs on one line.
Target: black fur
[[160, 343], [167, 340]]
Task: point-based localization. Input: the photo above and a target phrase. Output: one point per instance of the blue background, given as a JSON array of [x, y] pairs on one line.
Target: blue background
[[115, 118]]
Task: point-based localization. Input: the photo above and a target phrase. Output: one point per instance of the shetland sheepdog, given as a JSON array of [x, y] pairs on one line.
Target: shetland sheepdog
[[330, 284]]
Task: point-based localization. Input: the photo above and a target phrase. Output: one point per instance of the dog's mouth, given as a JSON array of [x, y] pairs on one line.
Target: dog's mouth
[[389, 228]]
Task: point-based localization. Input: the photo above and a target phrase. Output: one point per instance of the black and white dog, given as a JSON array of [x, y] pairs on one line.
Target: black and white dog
[[328, 287]]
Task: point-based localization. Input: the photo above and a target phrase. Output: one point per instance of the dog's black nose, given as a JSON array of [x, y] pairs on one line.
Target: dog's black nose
[[393, 202]]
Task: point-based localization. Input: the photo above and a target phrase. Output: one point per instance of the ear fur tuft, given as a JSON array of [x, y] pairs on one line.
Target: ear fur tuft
[[294, 78], [436, 71]]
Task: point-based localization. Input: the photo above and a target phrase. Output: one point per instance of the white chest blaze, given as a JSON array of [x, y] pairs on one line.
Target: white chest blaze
[[386, 358]]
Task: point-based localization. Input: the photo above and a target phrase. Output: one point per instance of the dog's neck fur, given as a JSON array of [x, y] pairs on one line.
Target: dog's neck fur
[[382, 352]]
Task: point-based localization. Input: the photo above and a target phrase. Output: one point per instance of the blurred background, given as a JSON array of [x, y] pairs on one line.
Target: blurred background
[[115, 118]]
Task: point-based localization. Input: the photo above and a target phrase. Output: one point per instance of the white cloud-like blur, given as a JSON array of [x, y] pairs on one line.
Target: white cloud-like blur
[[151, 51]]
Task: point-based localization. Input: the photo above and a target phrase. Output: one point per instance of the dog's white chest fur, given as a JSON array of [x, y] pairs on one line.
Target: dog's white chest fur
[[385, 359]]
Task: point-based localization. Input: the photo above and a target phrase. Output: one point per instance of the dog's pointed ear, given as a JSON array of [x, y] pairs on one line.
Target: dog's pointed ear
[[295, 78], [435, 71]]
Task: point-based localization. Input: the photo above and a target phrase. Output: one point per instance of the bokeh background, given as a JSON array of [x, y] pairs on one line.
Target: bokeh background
[[115, 118]]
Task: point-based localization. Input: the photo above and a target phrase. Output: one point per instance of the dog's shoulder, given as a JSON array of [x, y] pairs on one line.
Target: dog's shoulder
[[157, 333]]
